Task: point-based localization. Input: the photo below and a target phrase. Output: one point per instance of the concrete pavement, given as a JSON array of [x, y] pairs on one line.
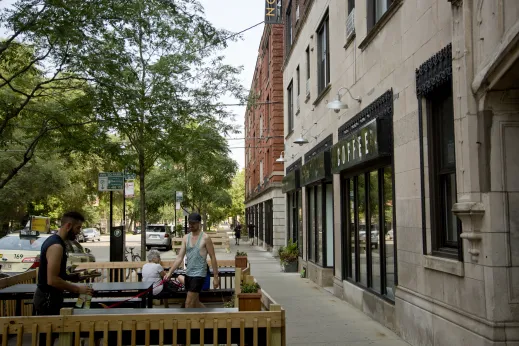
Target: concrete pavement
[[314, 316]]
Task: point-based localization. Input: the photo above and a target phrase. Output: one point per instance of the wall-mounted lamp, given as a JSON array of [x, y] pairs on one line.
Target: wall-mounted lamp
[[337, 104], [281, 158], [300, 140]]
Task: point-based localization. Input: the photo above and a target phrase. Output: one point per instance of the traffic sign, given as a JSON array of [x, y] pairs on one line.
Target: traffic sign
[[111, 181], [130, 176]]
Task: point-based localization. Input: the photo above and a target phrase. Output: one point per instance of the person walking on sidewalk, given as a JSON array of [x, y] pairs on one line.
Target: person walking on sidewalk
[[250, 227], [237, 233], [197, 245], [52, 275]]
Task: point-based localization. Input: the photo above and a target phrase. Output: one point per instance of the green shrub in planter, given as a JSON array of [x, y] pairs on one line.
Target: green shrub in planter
[[288, 256]]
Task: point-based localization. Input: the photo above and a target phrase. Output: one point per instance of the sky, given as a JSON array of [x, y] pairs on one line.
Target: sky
[[235, 16]]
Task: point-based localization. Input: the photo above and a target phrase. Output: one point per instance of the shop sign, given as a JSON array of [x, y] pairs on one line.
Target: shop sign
[[317, 168], [273, 11], [361, 146], [291, 181]]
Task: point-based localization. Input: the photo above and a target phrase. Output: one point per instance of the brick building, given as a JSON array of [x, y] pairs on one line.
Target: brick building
[[264, 200]]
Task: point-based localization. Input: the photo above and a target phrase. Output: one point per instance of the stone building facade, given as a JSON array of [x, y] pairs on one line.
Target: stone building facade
[[405, 203], [264, 200]]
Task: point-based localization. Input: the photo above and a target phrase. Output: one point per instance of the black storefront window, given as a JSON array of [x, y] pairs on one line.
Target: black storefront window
[[363, 157], [292, 189], [320, 224], [269, 222], [316, 177], [370, 253]]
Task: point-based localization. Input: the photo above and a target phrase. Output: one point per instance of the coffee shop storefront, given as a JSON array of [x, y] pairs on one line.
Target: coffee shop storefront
[[363, 157], [316, 177]]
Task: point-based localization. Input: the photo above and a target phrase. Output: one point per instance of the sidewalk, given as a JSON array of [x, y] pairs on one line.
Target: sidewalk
[[314, 316]]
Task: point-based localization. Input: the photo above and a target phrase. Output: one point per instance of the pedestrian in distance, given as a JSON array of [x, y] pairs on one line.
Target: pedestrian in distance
[[53, 279], [250, 228], [197, 245], [237, 233]]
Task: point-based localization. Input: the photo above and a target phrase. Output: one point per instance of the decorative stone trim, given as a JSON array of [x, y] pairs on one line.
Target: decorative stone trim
[[471, 215], [322, 95], [457, 3], [444, 265], [380, 108], [325, 144], [434, 72], [295, 165]]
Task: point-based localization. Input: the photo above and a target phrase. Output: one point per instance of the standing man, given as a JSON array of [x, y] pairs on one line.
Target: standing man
[[52, 276], [197, 245]]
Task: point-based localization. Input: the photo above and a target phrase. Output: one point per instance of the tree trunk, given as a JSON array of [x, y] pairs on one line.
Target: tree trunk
[[204, 218], [143, 205]]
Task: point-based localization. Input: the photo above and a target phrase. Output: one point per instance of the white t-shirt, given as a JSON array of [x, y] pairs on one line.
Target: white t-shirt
[[151, 273]]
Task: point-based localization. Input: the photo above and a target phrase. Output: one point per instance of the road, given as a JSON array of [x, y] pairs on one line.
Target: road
[[101, 249]]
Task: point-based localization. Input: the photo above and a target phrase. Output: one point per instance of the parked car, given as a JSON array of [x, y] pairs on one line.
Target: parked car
[[374, 237], [92, 234], [137, 230], [19, 254], [158, 236], [80, 237]]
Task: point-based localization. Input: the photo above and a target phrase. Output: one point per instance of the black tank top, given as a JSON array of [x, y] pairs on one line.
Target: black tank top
[[42, 273]]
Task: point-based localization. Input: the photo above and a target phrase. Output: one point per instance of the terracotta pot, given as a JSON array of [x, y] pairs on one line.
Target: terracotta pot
[[249, 301], [240, 262]]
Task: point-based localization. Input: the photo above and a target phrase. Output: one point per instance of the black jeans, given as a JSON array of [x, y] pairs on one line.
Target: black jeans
[[47, 304]]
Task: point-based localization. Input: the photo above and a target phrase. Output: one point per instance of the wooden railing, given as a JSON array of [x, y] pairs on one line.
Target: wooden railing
[[7, 307], [253, 328], [128, 271], [220, 241]]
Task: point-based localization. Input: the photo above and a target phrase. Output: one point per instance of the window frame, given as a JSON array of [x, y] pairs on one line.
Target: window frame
[[351, 6], [290, 107], [323, 72], [323, 255], [372, 12], [346, 231], [288, 27], [439, 245]]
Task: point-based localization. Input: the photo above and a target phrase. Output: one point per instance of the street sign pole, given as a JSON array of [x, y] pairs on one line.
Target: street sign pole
[[124, 201], [110, 222]]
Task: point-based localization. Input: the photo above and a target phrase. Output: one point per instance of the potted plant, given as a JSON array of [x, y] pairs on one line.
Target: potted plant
[[250, 297], [240, 260], [288, 257]]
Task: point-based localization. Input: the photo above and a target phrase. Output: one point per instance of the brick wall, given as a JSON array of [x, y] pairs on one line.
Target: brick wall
[[266, 139]]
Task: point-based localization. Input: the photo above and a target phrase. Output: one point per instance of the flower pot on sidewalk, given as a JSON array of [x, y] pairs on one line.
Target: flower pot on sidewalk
[[289, 267], [240, 260], [249, 301]]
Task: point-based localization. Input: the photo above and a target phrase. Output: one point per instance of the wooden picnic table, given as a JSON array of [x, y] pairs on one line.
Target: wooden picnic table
[[106, 289]]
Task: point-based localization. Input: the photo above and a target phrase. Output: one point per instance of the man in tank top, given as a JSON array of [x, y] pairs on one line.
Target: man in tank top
[[196, 245], [53, 279]]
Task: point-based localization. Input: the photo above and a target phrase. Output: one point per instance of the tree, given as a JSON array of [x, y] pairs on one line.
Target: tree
[[39, 93], [237, 192], [158, 78]]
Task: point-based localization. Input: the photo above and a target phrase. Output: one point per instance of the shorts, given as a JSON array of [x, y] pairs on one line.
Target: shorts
[[194, 283]]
